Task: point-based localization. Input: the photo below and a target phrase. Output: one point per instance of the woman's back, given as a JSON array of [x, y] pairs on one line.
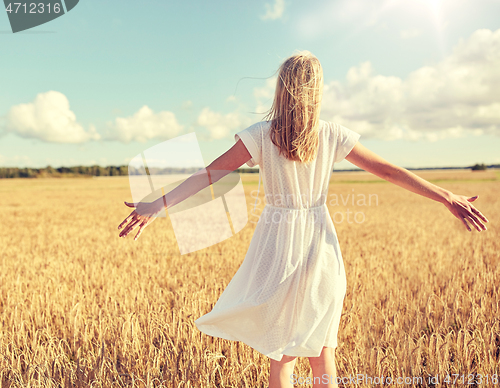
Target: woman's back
[[292, 184]]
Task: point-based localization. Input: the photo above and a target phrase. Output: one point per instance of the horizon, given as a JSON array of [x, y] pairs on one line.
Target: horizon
[[250, 169]]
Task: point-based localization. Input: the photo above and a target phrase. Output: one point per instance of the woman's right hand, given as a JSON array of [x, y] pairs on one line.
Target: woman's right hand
[[460, 206]]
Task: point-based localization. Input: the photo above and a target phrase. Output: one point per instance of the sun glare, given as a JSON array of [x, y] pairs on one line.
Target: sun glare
[[420, 14], [434, 11], [433, 5]]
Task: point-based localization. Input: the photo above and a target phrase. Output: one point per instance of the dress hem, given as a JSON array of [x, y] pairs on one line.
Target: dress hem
[[215, 332]]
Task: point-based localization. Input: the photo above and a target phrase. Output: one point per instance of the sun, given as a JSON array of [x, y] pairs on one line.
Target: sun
[[434, 6], [436, 10]]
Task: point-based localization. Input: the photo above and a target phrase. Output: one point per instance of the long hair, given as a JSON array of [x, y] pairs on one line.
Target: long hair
[[294, 114]]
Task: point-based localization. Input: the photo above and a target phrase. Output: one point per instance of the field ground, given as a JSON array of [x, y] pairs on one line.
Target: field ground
[[78, 304]]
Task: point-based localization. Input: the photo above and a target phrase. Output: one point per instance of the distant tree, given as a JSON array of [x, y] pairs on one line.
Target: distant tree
[[479, 167], [27, 173], [114, 171], [12, 172]]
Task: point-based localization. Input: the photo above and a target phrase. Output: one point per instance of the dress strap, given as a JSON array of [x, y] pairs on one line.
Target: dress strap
[[257, 197]]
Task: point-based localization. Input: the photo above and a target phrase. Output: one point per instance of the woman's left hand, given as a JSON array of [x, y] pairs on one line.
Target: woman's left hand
[[144, 214]]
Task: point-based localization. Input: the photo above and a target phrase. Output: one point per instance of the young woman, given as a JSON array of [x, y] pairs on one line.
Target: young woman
[[286, 298]]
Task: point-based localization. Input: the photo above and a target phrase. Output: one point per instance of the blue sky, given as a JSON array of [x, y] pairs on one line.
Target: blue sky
[[418, 79]]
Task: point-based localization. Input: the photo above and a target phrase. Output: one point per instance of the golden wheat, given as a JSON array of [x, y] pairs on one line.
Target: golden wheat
[[80, 306]]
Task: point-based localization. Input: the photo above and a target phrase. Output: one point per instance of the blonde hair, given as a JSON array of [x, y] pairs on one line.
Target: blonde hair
[[294, 114]]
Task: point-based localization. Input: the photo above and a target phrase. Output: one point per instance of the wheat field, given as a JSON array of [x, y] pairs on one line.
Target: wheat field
[[81, 307]]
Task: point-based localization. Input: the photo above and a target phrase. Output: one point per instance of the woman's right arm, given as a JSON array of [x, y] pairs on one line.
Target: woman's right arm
[[459, 205]]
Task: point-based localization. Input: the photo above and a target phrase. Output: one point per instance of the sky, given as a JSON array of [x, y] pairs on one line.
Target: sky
[[419, 80]]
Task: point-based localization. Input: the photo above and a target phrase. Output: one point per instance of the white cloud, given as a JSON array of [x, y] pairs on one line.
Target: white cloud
[[20, 161], [187, 104], [357, 14], [102, 161], [411, 33], [458, 96], [219, 125], [48, 118], [143, 126], [274, 11], [354, 17]]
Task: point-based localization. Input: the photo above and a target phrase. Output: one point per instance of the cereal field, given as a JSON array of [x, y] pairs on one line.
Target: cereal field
[[80, 306]]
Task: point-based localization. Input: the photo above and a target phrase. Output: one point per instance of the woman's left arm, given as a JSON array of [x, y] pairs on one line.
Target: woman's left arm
[[459, 205], [146, 212]]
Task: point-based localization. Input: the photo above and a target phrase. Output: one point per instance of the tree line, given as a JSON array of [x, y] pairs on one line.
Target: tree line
[[95, 170], [90, 171]]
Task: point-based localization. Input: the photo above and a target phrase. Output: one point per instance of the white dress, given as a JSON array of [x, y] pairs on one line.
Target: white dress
[[287, 296]]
